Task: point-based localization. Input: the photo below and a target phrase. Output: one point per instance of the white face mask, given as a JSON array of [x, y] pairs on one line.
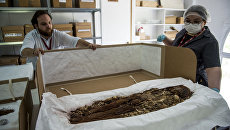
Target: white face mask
[[192, 28]]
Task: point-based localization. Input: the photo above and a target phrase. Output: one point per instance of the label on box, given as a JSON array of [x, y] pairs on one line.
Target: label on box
[[13, 35], [87, 0], [63, 1], [2, 1], [84, 30]]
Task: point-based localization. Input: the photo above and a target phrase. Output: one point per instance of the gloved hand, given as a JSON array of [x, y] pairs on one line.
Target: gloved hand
[[160, 38], [216, 89]]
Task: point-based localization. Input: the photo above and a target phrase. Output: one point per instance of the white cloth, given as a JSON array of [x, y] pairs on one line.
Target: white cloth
[[18, 90], [16, 71], [13, 122], [59, 39], [204, 110]]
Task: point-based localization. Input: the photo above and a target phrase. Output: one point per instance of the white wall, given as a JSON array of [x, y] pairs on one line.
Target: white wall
[[220, 15], [115, 21]]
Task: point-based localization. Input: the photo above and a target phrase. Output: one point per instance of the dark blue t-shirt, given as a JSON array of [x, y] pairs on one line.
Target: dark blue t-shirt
[[206, 48]]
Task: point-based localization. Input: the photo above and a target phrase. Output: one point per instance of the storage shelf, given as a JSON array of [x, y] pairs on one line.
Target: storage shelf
[[29, 9], [160, 24], [174, 24], [170, 9], [75, 10], [149, 8], [151, 40], [11, 43], [21, 9], [92, 38], [150, 24], [167, 9]]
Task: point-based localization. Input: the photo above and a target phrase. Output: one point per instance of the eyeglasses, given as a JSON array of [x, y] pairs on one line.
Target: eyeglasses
[[194, 22]]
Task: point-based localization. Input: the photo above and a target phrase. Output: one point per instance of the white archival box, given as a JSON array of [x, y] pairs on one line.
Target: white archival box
[[59, 68]]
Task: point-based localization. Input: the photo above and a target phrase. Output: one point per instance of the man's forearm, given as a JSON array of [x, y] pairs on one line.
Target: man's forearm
[[82, 43], [27, 52]]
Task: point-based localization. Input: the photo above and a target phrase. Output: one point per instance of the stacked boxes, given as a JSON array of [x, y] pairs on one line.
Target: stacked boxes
[[9, 60], [141, 3], [28, 28], [54, 3], [12, 60], [34, 3], [180, 20], [138, 3], [85, 3], [22, 60], [149, 3], [82, 29], [170, 20], [20, 3], [174, 20], [17, 33], [61, 3], [67, 28], [13, 33]]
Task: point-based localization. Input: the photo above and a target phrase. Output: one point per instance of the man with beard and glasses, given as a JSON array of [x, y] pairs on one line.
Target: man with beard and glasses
[[44, 37], [198, 37]]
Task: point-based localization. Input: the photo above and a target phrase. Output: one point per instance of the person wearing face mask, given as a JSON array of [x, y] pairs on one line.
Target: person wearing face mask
[[198, 37]]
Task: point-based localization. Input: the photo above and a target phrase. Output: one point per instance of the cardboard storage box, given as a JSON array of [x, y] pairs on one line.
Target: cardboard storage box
[[138, 3], [13, 33], [84, 73], [171, 34], [112, 70], [85, 3], [117, 60], [28, 28], [67, 28], [82, 29], [23, 100], [22, 60], [61, 3], [44, 3], [34, 3], [12, 60], [9, 60], [170, 20], [180, 20], [149, 3], [5, 3], [20, 3]]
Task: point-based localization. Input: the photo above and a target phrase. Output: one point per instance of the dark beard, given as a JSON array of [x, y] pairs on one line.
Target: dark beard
[[47, 34]]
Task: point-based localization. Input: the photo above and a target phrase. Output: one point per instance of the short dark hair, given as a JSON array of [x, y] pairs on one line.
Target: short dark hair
[[37, 14]]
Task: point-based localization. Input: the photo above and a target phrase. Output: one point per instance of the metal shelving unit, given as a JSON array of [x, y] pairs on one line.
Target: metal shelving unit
[[54, 10], [10, 43], [21, 9]]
